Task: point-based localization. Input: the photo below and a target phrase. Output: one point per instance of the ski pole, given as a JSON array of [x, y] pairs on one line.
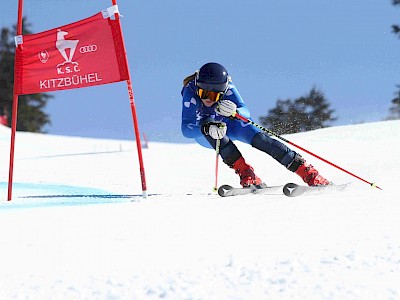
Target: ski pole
[[270, 132], [217, 146]]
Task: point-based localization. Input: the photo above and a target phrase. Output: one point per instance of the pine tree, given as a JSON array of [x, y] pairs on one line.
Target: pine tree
[[284, 118], [396, 28], [6, 73], [394, 111], [31, 116], [305, 113]]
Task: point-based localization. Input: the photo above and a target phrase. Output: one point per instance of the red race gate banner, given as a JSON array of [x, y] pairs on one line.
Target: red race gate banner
[[81, 54], [85, 53]]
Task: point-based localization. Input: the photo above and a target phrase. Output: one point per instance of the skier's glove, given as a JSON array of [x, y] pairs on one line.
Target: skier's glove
[[226, 108], [216, 130]]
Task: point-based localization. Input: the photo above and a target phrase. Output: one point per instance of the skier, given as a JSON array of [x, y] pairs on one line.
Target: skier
[[209, 103]]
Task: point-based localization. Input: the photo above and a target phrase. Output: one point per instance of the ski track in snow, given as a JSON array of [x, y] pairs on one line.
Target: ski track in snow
[[78, 228]]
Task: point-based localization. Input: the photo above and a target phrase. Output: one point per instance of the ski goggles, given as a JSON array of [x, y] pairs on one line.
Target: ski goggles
[[213, 96]]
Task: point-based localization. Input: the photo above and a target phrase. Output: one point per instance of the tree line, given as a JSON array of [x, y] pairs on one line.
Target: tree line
[[394, 111], [313, 110], [309, 112], [31, 114]]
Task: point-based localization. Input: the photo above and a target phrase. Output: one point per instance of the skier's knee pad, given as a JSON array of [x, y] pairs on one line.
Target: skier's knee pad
[[227, 149], [229, 152]]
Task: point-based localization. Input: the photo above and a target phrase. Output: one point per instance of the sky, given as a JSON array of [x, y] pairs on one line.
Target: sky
[[80, 229], [272, 49]]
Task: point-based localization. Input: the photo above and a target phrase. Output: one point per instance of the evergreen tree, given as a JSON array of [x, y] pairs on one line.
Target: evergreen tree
[[394, 111], [396, 28], [284, 118], [305, 113], [31, 116]]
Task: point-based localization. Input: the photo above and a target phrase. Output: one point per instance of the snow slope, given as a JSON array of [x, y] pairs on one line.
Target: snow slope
[[78, 228]]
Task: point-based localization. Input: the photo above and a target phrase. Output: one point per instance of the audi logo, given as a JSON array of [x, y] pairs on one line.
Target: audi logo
[[87, 49]]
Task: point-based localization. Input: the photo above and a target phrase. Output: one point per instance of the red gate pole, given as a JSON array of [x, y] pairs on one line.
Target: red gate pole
[[134, 115], [15, 108]]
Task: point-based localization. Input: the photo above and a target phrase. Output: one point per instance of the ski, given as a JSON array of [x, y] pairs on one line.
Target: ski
[[294, 190], [227, 190]]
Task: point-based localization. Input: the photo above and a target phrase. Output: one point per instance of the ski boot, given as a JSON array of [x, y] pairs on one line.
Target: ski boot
[[310, 175], [246, 174]]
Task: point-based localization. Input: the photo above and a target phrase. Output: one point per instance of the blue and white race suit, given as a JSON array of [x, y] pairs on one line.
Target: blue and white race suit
[[195, 114]]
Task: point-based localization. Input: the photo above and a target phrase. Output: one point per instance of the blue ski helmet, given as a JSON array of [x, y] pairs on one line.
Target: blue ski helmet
[[212, 77]]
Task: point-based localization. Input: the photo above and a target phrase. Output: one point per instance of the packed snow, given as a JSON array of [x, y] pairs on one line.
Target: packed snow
[[78, 226]]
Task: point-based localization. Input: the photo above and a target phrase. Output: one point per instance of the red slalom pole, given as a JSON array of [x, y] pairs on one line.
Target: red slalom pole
[[15, 109], [133, 112], [238, 116]]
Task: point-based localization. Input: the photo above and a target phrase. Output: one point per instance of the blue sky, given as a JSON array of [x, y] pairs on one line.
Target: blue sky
[[272, 49]]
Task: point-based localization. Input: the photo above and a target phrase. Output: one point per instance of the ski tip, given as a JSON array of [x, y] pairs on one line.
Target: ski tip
[[223, 189], [289, 188], [293, 189]]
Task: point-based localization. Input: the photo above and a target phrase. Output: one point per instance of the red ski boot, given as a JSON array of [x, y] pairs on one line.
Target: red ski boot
[[246, 173], [310, 175]]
